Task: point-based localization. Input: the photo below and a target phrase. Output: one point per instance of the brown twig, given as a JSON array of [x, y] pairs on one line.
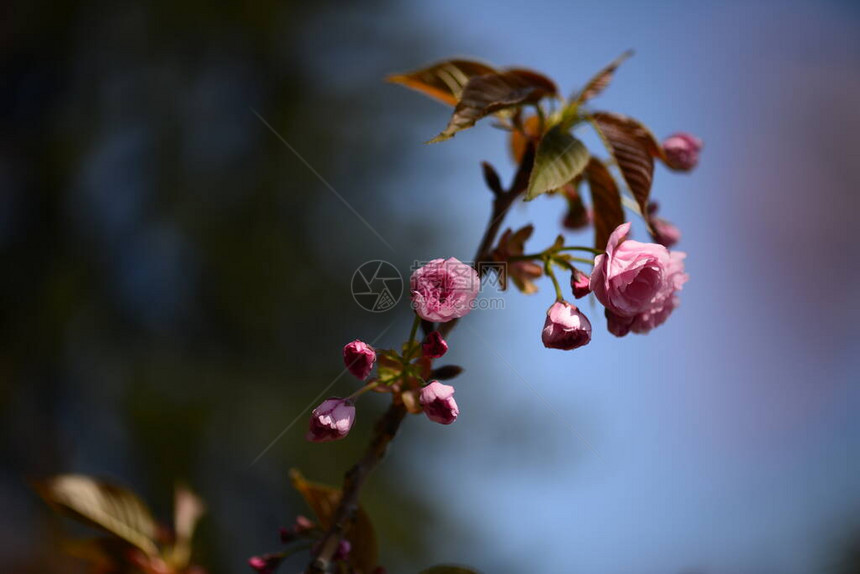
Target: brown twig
[[384, 432], [387, 426]]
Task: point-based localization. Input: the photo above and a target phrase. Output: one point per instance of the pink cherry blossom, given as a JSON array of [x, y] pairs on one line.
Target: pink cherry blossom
[[637, 282], [444, 289]]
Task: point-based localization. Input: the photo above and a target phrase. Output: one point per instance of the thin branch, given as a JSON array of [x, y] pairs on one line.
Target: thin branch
[[387, 426], [384, 432]]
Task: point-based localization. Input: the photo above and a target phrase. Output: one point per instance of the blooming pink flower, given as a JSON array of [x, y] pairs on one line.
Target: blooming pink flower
[[637, 282], [444, 289], [359, 357], [682, 151], [331, 420], [566, 327], [580, 283], [438, 403], [434, 346]]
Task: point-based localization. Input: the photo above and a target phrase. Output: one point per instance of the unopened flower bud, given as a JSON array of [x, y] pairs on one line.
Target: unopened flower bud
[[438, 403], [566, 327], [359, 358], [580, 284], [662, 231], [682, 151], [343, 550], [265, 564], [434, 346], [331, 420]]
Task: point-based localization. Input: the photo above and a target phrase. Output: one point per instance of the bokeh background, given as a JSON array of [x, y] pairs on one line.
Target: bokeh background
[[175, 281]]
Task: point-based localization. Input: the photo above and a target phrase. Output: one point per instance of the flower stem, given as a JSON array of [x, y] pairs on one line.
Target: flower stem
[[387, 426], [583, 248], [364, 389], [547, 265], [415, 323]]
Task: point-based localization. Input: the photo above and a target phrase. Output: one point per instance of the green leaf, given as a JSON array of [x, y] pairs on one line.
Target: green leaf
[[449, 569], [634, 148], [559, 158], [491, 93], [606, 202], [103, 505], [324, 501], [443, 81]]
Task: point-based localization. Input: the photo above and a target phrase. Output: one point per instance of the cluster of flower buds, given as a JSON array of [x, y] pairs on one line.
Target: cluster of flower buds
[[303, 529], [442, 290]]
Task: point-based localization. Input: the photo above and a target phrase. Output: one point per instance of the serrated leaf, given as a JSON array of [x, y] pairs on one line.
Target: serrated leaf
[[490, 93], [606, 202], [324, 500], [442, 81], [102, 505], [634, 148], [559, 158], [600, 81], [449, 569]]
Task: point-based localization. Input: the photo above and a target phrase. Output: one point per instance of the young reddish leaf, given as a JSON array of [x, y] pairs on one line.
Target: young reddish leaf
[[323, 500], [560, 157], [605, 200], [520, 139], [490, 93], [102, 505], [634, 149], [522, 273], [600, 81], [443, 81]]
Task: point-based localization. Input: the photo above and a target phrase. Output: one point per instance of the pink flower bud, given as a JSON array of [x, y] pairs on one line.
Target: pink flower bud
[[438, 403], [662, 231], [341, 553], [331, 420], [580, 283], [637, 282], [265, 564], [444, 289], [566, 327], [682, 151], [359, 357], [665, 233], [434, 346], [343, 550]]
